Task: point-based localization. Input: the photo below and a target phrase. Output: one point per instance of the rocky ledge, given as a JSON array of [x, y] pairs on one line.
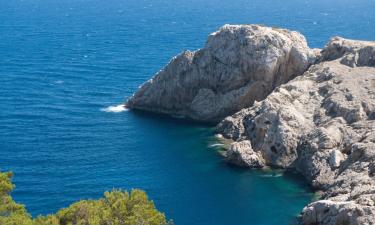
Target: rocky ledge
[[298, 108]]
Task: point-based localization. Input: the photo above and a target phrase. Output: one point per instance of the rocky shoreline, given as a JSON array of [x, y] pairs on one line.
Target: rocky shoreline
[[283, 105]]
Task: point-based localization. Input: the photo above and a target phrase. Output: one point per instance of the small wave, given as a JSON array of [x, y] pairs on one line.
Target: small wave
[[115, 109], [216, 145], [271, 175]]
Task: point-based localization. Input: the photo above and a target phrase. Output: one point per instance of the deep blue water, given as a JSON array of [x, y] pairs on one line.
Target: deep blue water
[[63, 61]]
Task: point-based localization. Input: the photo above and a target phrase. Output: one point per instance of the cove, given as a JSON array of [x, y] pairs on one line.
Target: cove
[[171, 159], [63, 63]]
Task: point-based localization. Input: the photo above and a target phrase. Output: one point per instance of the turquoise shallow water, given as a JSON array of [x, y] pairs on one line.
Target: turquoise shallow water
[[62, 62]]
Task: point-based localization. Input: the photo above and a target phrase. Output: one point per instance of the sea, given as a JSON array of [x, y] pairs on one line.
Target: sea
[[66, 66]]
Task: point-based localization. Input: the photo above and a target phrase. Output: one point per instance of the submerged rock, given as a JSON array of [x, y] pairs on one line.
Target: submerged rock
[[322, 124], [242, 154], [238, 65]]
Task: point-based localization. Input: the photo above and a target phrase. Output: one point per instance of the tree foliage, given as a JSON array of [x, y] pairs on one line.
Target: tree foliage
[[11, 213], [114, 208]]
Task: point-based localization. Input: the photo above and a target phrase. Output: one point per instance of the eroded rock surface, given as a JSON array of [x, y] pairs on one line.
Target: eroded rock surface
[[238, 65], [323, 124]]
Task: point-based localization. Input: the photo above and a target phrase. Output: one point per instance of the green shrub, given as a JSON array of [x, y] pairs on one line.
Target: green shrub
[[115, 208], [11, 213]]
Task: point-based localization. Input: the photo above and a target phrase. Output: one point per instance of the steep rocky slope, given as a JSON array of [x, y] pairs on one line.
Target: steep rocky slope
[[323, 124], [238, 65]]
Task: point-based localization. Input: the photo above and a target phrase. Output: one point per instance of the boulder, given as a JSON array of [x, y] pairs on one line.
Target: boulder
[[242, 154]]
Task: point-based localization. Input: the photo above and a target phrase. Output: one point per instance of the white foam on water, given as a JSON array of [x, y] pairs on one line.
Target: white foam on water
[[271, 175], [216, 145], [115, 109]]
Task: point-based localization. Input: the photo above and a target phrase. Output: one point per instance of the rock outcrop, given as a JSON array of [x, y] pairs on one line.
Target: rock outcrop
[[237, 66], [322, 124]]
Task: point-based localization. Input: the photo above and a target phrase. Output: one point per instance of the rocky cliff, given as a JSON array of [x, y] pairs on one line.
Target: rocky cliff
[[237, 66], [322, 124], [294, 107]]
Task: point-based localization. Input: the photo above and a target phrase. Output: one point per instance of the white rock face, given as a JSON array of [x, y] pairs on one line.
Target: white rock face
[[239, 64], [335, 158], [333, 213], [323, 124]]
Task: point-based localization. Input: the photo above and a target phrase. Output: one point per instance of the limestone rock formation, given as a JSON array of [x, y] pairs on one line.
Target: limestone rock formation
[[238, 65], [294, 107], [322, 124]]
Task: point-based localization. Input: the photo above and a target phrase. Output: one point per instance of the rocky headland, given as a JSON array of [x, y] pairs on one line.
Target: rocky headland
[[283, 105], [237, 66]]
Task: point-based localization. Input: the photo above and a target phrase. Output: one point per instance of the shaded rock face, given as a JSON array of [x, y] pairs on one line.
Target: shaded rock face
[[237, 66], [322, 124]]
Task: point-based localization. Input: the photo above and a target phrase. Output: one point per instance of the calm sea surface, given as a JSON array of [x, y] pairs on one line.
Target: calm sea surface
[[63, 62]]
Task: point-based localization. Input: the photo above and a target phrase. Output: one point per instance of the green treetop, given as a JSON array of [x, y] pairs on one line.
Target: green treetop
[[115, 208]]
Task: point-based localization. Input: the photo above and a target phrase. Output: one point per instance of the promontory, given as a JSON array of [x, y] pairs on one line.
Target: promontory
[[283, 105]]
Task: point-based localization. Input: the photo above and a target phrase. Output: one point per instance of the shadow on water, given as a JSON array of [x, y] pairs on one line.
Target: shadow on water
[[296, 177], [167, 119], [289, 175], [202, 169]]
